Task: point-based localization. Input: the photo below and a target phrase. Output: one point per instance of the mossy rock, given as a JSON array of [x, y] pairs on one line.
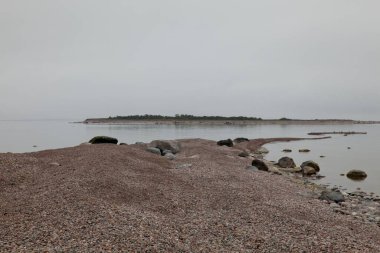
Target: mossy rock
[[103, 139]]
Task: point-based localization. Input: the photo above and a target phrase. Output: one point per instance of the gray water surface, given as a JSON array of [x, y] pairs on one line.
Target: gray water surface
[[22, 136]]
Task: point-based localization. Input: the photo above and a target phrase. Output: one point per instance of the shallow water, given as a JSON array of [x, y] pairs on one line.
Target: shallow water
[[21, 136]]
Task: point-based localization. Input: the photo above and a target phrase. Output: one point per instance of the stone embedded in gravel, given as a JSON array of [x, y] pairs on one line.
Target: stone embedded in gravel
[[252, 168], [55, 164], [170, 156], [228, 143], [243, 154], [103, 139], [184, 166], [286, 162], [261, 165], [154, 150], [311, 164], [335, 196], [356, 174], [173, 146]]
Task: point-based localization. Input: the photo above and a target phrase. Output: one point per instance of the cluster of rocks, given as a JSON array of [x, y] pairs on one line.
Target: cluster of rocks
[[358, 204], [164, 148]]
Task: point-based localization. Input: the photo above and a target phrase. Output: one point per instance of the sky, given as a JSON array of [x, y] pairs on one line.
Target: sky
[[75, 59]]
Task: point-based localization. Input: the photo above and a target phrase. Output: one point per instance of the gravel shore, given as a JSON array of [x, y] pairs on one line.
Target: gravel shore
[[111, 198]]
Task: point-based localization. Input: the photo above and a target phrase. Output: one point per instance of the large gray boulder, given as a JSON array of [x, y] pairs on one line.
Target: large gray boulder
[[286, 162], [311, 164], [173, 146], [261, 150], [103, 139], [308, 171], [154, 150], [356, 174]]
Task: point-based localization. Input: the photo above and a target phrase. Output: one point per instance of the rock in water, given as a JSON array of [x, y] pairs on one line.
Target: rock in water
[[304, 150], [286, 162], [240, 139], [356, 174], [311, 164], [154, 150], [287, 150], [173, 146], [261, 165], [227, 143], [335, 196], [103, 139], [262, 150]]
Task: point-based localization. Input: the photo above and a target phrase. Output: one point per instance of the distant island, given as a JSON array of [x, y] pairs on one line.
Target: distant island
[[186, 119]]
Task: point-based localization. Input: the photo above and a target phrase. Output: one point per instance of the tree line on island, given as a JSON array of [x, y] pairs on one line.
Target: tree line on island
[[180, 117]]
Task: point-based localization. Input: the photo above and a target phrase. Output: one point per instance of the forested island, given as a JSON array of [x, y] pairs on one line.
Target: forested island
[[187, 119]]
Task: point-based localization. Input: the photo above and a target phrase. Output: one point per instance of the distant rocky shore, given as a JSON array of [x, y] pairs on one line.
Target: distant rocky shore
[[114, 121]]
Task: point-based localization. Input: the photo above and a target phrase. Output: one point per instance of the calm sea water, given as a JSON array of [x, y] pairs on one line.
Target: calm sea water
[[21, 136]]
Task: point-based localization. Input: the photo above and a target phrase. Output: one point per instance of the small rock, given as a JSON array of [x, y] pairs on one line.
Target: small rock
[[306, 170], [139, 143], [286, 162], [184, 166], [252, 168], [261, 165], [342, 174], [304, 150], [123, 143], [170, 156], [261, 150], [154, 150], [166, 151], [243, 154], [335, 196], [240, 139], [322, 156], [356, 174], [348, 147], [55, 164], [227, 143], [287, 150]]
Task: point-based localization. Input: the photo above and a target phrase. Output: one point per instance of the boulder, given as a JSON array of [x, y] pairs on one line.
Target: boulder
[[227, 143], [122, 143], [356, 174], [286, 162], [260, 164], [240, 139], [287, 150], [166, 151], [173, 146], [261, 150], [154, 150], [311, 164], [304, 150], [335, 196], [307, 171], [103, 139]]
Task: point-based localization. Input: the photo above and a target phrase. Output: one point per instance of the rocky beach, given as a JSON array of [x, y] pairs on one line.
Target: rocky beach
[[191, 196]]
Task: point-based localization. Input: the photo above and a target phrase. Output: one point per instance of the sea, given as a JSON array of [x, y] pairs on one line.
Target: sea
[[341, 153]]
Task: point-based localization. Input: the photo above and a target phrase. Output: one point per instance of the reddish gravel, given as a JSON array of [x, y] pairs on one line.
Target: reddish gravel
[[124, 199]]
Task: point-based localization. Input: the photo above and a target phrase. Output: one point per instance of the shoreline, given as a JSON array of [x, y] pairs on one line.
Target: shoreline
[[88, 192]]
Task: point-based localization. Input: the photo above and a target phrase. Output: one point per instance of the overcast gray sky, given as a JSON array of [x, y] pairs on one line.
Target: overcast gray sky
[[92, 58]]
